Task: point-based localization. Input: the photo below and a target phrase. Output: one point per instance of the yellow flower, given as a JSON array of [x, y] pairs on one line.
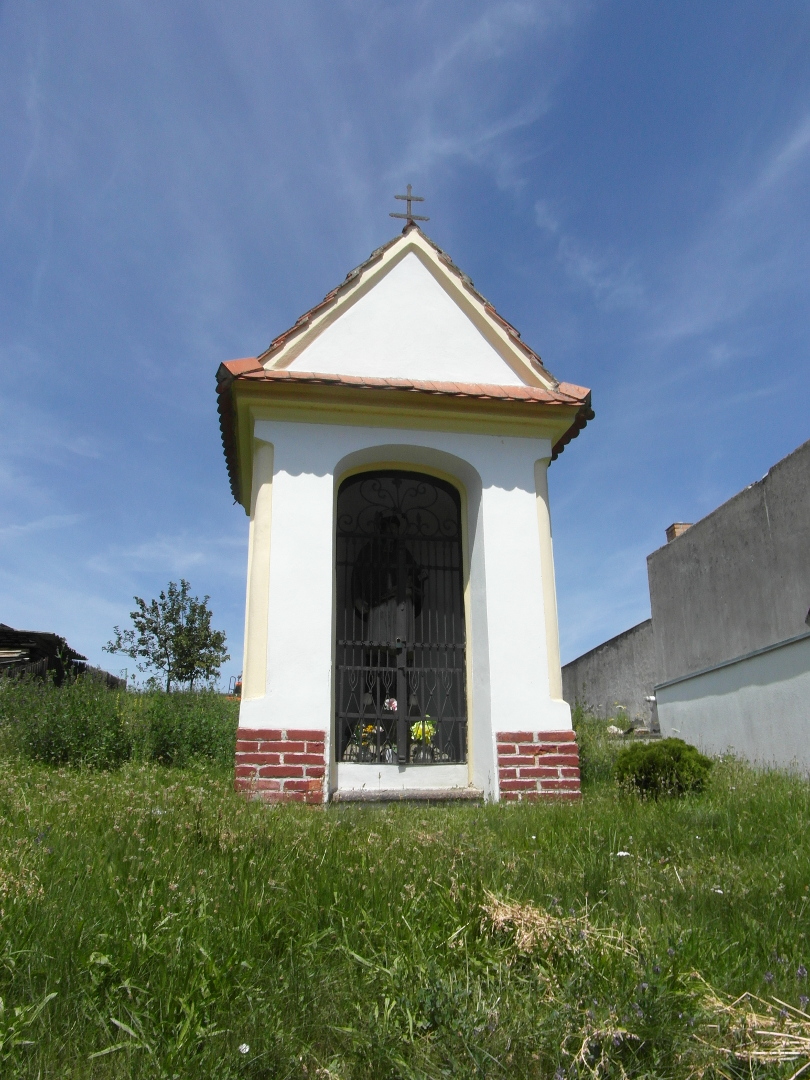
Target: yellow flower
[[423, 730]]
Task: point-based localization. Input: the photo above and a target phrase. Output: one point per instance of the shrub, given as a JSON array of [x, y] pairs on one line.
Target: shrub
[[85, 723], [81, 722], [665, 767], [184, 726]]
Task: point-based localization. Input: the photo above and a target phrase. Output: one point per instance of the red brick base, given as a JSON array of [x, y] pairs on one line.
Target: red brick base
[[281, 766], [538, 765]]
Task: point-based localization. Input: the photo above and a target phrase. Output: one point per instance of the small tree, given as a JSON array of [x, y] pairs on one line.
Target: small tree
[[173, 635]]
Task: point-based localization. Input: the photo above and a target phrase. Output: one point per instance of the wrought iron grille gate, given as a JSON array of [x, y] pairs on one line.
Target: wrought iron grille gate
[[400, 660]]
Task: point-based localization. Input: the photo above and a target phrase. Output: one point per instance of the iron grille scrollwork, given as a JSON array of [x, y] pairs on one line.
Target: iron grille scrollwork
[[400, 658]]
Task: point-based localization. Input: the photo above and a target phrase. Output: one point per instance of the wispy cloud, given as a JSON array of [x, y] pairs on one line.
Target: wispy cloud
[[180, 554], [789, 156], [755, 245], [431, 145], [32, 432], [545, 218], [450, 113], [45, 524], [611, 285], [492, 34]]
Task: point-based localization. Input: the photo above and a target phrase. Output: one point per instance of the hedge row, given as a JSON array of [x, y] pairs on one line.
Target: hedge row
[[86, 723]]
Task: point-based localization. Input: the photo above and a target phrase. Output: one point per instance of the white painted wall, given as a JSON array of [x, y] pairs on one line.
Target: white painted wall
[[509, 689], [757, 707], [348, 776], [406, 327]]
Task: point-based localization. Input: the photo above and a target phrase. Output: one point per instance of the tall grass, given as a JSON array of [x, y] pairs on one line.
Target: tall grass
[[598, 749], [85, 723], [183, 726], [188, 933]]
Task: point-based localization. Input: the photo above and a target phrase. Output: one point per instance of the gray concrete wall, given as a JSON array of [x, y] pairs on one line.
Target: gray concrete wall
[[617, 673], [739, 579], [758, 707]]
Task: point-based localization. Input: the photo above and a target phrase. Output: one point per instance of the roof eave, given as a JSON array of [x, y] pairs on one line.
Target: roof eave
[[584, 414], [276, 390], [227, 427]]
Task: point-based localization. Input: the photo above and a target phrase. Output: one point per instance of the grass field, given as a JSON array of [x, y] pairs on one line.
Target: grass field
[[154, 924]]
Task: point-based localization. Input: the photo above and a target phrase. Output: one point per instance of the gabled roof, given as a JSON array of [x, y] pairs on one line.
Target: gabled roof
[[500, 333], [269, 373]]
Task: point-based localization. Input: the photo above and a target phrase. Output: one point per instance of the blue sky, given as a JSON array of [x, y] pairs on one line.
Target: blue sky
[[627, 182]]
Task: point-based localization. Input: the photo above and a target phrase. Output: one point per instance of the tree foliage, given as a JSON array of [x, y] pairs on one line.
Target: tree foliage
[[173, 635]]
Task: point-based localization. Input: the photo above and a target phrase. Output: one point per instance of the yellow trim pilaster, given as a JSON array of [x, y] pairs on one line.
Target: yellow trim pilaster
[[254, 671], [549, 585]]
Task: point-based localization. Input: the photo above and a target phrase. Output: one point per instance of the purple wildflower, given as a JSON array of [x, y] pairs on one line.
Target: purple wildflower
[[801, 972], [768, 976]]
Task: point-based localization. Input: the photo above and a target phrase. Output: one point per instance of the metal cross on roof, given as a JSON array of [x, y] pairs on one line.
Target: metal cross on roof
[[409, 198]]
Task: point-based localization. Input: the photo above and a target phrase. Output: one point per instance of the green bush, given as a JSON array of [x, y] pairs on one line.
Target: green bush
[[185, 726], [81, 722], [665, 767], [85, 723]]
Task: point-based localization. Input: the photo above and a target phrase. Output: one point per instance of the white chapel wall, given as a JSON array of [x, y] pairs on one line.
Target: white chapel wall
[[510, 688]]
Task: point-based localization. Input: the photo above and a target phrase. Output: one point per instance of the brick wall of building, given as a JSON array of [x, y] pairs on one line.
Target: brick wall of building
[[281, 765], [538, 765]]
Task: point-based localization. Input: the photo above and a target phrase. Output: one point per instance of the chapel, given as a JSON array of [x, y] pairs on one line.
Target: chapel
[[391, 451]]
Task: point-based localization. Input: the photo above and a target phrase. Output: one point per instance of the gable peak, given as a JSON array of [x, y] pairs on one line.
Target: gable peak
[[412, 240]]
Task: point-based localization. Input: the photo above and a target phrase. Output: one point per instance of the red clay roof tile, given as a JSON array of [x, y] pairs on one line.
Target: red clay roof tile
[[251, 370]]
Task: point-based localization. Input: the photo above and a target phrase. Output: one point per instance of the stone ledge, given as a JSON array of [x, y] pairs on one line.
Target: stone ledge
[[409, 795]]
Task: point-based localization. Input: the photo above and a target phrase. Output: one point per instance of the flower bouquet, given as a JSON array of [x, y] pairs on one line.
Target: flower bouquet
[[422, 731]]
